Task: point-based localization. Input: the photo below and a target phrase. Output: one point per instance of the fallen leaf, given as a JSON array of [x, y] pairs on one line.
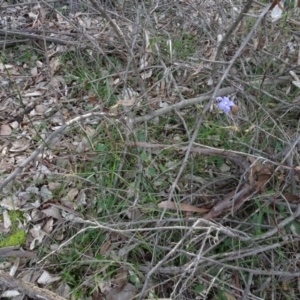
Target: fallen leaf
[[46, 278], [120, 279], [45, 193], [15, 267], [105, 246], [53, 212], [34, 71], [48, 227], [6, 219], [55, 65], [10, 294], [5, 130], [37, 235], [126, 293], [19, 145], [71, 195], [12, 203], [276, 13], [259, 175]]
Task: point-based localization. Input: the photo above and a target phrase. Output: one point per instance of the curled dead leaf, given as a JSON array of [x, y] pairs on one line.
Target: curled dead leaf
[[259, 175], [120, 279]]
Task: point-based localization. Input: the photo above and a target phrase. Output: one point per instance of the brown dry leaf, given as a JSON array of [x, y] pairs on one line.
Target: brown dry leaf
[[20, 145], [57, 81], [5, 130], [128, 292], [263, 177], [134, 213], [38, 235], [40, 109], [105, 246], [52, 211], [225, 168], [227, 204], [291, 198], [182, 207], [55, 65], [120, 280], [260, 175], [71, 195], [54, 186], [12, 202], [48, 227]]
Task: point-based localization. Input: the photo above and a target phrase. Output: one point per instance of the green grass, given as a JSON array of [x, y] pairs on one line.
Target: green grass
[[124, 184]]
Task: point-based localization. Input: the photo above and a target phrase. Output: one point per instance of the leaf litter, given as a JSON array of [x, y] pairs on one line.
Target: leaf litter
[[38, 100]]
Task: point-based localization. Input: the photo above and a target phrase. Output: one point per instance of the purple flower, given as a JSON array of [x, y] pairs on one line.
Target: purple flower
[[225, 104]]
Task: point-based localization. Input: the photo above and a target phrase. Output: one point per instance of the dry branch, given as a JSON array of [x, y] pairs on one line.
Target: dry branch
[[230, 30], [31, 36], [27, 288]]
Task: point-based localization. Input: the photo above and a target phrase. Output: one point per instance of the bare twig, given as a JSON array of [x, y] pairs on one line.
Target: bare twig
[[239, 51], [231, 201], [36, 37], [27, 288], [181, 104], [228, 34], [282, 224], [236, 158], [199, 224], [15, 251], [197, 127], [202, 98], [254, 271], [122, 37], [163, 260]]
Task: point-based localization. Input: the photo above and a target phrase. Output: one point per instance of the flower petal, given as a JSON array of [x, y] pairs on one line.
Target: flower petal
[[226, 109], [230, 103], [222, 105]]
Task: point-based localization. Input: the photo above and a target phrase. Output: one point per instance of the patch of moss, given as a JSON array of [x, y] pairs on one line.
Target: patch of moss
[[15, 239], [17, 236]]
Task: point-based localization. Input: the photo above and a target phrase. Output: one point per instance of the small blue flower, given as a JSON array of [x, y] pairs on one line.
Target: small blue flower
[[225, 104]]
